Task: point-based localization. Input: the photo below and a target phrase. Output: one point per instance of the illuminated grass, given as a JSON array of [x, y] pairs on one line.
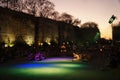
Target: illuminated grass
[[52, 70], [46, 68], [52, 67], [43, 71]]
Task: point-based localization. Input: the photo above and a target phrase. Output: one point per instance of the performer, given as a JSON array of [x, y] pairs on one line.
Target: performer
[[76, 56]]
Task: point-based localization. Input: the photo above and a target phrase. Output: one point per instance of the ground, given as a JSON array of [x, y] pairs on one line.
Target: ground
[[56, 69]]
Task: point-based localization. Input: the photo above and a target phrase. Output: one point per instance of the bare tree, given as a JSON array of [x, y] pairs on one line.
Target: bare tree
[[5, 3], [12, 4], [0, 2], [17, 5], [46, 8], [42, 8], [31, 6]]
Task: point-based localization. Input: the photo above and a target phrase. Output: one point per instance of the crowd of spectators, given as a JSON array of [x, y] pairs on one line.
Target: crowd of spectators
[[110, 56]]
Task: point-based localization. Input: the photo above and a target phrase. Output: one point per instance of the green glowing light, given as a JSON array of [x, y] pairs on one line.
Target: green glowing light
[[69, 65], [55, 69], [40, 71], [97, 36], [48, 71]]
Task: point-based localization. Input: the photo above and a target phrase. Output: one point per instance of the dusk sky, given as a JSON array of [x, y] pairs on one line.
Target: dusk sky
[[98, 11]]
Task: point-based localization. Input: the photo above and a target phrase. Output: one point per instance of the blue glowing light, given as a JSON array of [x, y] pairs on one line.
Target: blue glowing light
[[33, 65]]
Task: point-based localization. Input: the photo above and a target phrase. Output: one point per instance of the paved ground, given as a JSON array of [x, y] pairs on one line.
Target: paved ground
[[56, 69]]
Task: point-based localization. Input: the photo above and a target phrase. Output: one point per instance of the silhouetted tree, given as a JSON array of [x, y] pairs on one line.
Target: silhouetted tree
[[46, 9], [13, 4], [41, 8], [4, 3], [9, 3], [69, 19], [89, 32], [19, 6], [90, 25], [66, 17], [76, 22], [55, 15]]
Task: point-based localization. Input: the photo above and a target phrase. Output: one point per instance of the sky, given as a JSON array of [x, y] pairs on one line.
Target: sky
[[98, 11]]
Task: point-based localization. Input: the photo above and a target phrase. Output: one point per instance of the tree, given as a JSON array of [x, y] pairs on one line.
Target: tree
[[13, 3], [89, 32], [18, 5], [4, 3], [76, 22], [69, 19], [9, 3], [89, 24], [46, 8], [31, 6], [41, 8], [54, 15], [66, 17]]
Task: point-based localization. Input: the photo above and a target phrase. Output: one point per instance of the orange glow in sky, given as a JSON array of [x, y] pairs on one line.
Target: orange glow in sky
[[98, 11]]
